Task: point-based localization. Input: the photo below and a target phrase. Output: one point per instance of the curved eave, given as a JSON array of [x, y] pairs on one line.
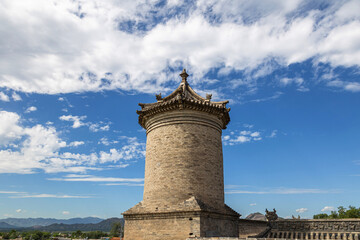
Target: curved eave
[[217, 109]]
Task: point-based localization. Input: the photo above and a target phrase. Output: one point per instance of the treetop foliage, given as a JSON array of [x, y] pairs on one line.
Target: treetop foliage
[[342, 212]]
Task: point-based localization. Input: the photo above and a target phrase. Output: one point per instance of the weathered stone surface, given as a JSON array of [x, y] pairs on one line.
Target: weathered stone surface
[[251, 227]]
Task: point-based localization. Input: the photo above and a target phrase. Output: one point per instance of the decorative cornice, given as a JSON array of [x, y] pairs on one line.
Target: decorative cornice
[[184, 97]]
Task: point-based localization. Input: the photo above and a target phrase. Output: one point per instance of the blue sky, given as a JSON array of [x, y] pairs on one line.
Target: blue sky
[[73, 72]]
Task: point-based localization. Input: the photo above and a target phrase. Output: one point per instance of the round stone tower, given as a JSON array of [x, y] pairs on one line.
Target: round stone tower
[[184, 186]]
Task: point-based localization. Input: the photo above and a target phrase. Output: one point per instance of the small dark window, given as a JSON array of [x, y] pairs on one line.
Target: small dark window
[[190, 218], [190, 234]]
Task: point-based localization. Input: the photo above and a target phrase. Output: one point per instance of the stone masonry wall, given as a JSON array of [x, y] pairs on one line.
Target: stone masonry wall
[[249, 228], [215, 226], [184, 159], [173, 227]]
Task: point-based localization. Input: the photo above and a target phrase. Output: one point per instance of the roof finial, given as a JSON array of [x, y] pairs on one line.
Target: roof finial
[[184, 75]]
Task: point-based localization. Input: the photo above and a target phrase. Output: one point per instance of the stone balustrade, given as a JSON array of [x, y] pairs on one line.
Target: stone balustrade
[[313, 235]]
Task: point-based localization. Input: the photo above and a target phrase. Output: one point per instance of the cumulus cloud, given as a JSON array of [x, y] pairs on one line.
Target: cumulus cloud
[[41, 148], [96, 127], [301, 210], [105, 141], [4, 97], [31, 109], [298, 82], [16, 97], [65, 212], [252, 204], [77, 120], [243, 136], [328, 209], [347, 86], [76, 143], [19, 210], [9, 128], [78, 48]]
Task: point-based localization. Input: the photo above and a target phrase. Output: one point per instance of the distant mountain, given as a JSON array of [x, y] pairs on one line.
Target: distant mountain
[[29, 222], [104, 226], [4, 225], [256, 216]]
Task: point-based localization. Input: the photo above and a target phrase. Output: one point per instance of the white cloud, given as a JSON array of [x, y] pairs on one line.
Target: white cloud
[[19, 210], [226, 137], [255, 134], [252, 204], [96, 127], [76, 143], [10, 192], [286, 81], [9, 128], [124, 184], [243, 136], [273, 134], [45, 195], [77, 120], [283, 191], [301, 210], [105, 141], [40, 148], [89, 178], [298, 82], [16, 97], [347, 86], [4, 97], [328, 209], [31, 109], [245, 132], [242, 139], [65, 212], [80, 41]]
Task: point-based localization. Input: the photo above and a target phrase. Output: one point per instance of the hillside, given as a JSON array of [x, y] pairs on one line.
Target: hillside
[[4, 225], [29, 222], [104, 226], [256, 216]]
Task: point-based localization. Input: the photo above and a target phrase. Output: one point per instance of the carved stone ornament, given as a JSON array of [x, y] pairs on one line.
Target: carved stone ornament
[[158, 97], [271, 216]]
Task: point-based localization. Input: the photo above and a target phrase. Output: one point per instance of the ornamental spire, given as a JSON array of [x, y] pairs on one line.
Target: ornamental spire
[[184, 75]]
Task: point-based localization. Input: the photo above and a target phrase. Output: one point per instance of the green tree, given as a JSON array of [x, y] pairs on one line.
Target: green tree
[[6, 235], [342, 212], [13, 234], [95, 234], [321, 216], [77, 234], [117, 230]]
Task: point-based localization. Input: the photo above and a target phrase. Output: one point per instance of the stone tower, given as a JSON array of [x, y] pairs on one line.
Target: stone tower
[[184, 182]]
